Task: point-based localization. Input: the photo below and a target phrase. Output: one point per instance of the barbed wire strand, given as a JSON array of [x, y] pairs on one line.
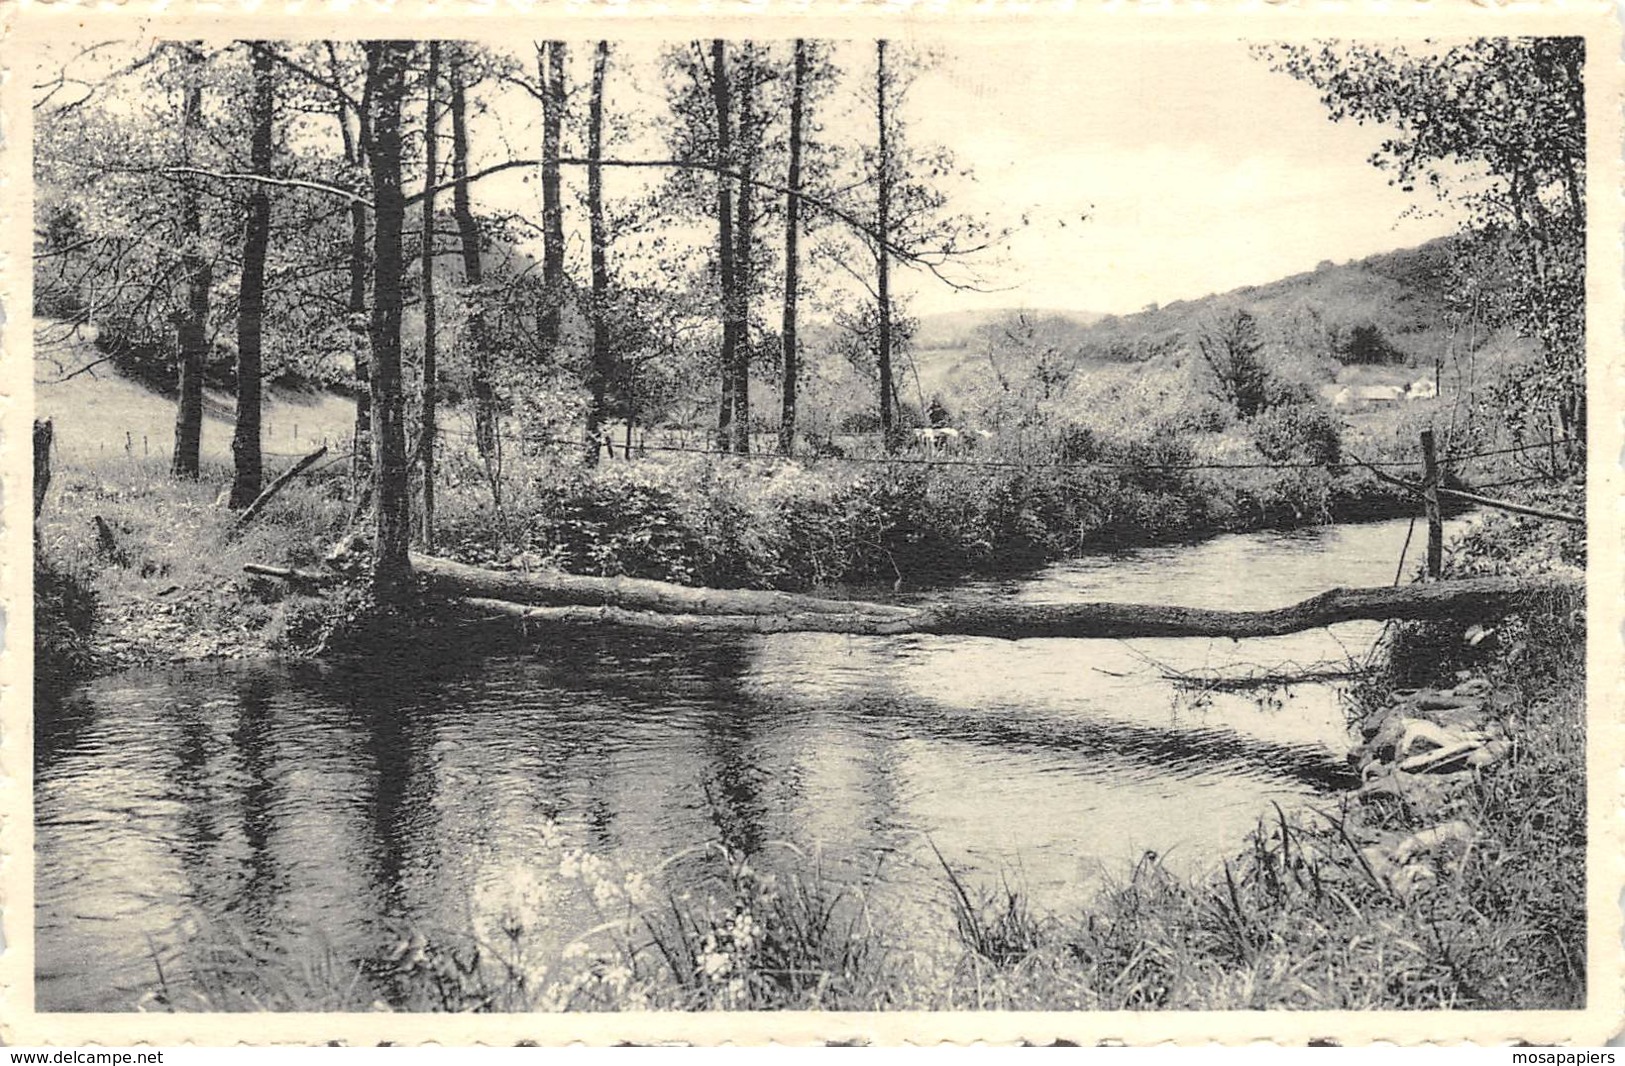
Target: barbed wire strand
[[1007, 464]]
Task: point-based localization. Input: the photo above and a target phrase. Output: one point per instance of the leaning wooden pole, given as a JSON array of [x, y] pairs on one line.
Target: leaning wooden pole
[[1483, 501], [276, 486], [1514, 508]]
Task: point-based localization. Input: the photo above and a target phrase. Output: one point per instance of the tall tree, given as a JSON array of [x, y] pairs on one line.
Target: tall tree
[[602, 366], [245, 440], [198, 274], [722, 103], [555, 96], [792, 261], [902, 196], [356, 141], [882, 245], [392, 572], [468, 229], [428, 405], [747, 151], [114, 245]]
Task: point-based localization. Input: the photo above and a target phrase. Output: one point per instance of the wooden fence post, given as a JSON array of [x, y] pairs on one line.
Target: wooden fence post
[[44, 434], [1430, 495]]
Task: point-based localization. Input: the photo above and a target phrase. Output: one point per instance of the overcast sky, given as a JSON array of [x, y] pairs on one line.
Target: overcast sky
[[1199, 170], [1148, 171]]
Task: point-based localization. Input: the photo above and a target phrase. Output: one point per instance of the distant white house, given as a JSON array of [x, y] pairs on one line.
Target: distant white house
[[1358, 396], [1422, 389]]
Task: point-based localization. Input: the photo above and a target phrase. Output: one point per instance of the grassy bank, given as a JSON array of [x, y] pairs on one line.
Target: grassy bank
[[142, 568]]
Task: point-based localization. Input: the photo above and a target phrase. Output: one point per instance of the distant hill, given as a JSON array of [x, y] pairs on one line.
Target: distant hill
[[1388, 308], [1399, 294]]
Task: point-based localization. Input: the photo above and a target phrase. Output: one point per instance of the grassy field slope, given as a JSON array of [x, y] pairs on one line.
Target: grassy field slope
[[101, 414]]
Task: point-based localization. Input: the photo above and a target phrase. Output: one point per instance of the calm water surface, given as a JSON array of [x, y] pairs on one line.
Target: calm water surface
[[300, 804]]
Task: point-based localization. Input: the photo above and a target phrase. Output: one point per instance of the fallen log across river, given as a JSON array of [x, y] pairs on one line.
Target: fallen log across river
[[562, 599]]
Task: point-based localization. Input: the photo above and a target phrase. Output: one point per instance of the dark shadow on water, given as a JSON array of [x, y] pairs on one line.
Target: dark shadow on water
[[1169, 751], [62, 720]]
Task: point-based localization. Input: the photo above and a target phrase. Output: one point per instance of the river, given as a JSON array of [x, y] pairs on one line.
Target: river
[[302, 804]]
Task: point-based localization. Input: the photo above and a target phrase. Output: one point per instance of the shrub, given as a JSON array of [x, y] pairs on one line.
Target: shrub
[[1367, 345], [1297, 432], [64, 617]]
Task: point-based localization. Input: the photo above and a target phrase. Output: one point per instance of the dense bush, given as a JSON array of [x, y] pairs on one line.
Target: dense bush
[[1299, 433], [143, 353], [1367, 345], [138, 352], [767, 523]]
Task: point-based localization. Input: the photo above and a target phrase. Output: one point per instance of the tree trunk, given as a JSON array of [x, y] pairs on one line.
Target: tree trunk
[[356, 147], [883, 331], [553, 92], [428, 430], [601, 357], [792, 263], [468, 230], [392, 573], [744, 266], [193, 325], [43, 433], [545, 597], [246, 449], [445, 577], [725, 240]]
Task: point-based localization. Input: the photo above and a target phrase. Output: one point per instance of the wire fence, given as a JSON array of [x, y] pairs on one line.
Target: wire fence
[[958, 461], [934, 461]]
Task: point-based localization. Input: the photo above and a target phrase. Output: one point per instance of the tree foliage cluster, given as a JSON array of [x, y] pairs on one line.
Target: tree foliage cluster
[[1497, 127], [236, 211]]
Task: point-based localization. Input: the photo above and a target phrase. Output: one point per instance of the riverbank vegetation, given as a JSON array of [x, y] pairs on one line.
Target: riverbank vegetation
[[1126, 455]]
